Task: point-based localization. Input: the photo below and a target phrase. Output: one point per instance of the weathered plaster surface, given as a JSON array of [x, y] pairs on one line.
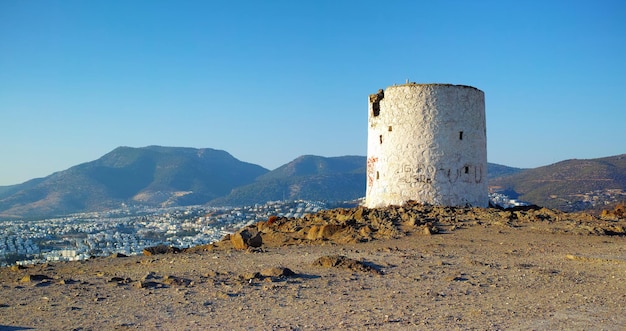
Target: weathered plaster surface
[[427, 142]]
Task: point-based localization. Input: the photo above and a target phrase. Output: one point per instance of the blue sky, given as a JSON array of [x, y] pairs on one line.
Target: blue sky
[[269, 81]]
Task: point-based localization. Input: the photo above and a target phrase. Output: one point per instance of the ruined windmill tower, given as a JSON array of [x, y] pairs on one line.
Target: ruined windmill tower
[[427, 143]]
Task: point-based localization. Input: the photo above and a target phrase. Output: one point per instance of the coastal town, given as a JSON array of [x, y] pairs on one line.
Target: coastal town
[[129, 230]]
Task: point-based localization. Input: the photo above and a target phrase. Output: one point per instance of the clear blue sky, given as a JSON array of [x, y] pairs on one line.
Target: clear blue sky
[[269, 81]]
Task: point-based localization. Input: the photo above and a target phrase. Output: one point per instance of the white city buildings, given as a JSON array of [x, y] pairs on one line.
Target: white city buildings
[[99, 234]]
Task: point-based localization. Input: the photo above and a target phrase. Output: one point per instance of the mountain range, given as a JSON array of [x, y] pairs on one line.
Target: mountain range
[[174, 176], [570, 185]]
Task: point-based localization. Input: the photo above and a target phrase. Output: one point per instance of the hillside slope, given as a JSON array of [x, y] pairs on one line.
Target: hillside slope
[[154, 176], [307, 177], [569, 185]]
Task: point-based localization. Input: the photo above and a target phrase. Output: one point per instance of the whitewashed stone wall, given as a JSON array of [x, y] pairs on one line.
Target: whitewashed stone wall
[[427, 143]]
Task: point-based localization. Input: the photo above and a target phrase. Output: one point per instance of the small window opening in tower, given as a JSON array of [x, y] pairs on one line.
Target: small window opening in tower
[[381, 138], [466, 170], [460, 135], [377, 175], [389, 129]]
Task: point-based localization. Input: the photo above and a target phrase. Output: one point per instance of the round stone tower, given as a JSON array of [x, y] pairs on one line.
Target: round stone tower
[[427, 143]]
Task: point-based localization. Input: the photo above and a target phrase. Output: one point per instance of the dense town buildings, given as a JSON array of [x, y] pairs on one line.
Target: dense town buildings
[[128, 232]]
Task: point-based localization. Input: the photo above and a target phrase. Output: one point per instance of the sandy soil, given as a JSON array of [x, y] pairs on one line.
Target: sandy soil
[[474, 277]]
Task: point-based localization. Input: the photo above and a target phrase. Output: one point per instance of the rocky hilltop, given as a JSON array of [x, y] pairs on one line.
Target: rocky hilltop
[[404, 267], [361, 224]]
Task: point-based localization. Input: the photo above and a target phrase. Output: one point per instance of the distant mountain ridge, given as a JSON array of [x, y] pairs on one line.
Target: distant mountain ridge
[[176, 176], [308, 177], [153, 175], [569, 185], [307, 165]]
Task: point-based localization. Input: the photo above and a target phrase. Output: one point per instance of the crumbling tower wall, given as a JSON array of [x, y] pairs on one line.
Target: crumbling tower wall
[[427, 143]]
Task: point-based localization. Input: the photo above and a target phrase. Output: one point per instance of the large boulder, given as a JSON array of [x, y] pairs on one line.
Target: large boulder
[[245, 238]]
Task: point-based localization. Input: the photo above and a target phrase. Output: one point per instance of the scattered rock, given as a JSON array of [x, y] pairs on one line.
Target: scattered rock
[[160, 249], [312, 233], [43, 283], [177, 281], [34, 278], [250, 275], [67, 281], [270, 274], [120, 280], [223, 295], [254, 250], [430, 230], [457, 278], [118, 255], [328, 230], [150, 275], [149, 284], [277, 272], [342, 262], [592, 259]]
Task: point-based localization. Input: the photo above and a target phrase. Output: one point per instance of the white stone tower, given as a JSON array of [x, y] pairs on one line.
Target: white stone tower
[[427, 143]]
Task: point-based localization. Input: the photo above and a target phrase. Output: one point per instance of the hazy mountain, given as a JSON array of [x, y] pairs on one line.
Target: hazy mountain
[[569, 185], [6, 191], [316, 178], [311, 165], [151, 175], [309, 178], [498, 170]]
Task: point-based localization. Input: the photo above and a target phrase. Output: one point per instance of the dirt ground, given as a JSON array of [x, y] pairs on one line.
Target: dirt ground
[[468, 276]]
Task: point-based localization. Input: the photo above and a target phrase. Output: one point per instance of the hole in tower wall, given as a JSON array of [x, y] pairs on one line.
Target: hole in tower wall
[[375, 101], [389, 129], [381, 138], [460, 135], [466, 170], [377, 175]]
